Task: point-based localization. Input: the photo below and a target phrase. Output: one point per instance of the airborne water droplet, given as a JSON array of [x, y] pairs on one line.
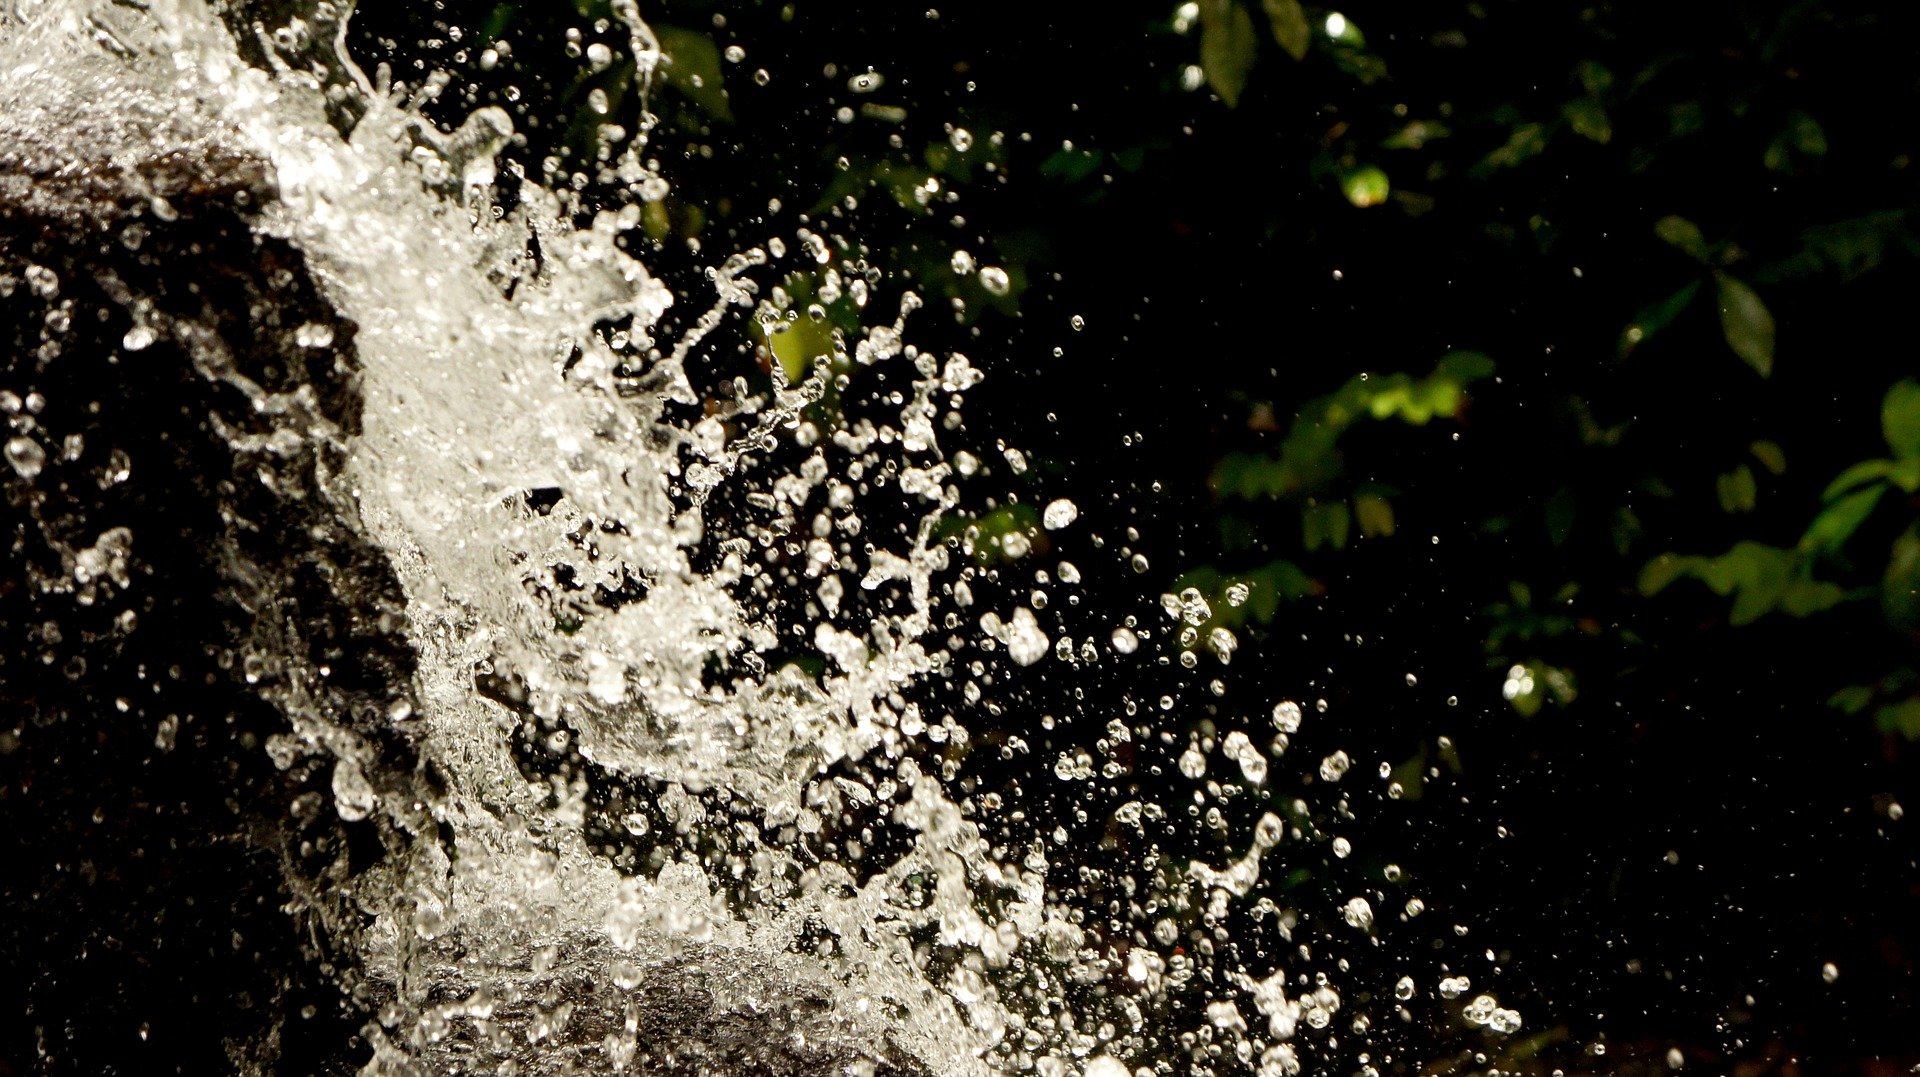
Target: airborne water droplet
[[1059, 514], [26, 456]]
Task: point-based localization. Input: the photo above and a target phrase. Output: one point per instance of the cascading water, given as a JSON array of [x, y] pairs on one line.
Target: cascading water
[[791, 883]]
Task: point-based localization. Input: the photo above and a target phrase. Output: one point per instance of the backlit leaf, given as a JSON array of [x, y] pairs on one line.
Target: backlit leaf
[[1747, 324], [1226, 48], [1900, 418], [1289, 26]]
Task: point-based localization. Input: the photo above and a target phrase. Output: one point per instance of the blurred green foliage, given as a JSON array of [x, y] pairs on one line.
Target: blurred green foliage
[[1625, 110], [1678, 200]]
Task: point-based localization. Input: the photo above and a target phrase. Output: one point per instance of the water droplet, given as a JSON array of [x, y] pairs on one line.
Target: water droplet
[[26, 456], [1059, 514], [313, 335], [1026, 643], [1359, 914]]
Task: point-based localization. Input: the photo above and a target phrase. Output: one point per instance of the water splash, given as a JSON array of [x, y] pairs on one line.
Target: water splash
[[525, 464]]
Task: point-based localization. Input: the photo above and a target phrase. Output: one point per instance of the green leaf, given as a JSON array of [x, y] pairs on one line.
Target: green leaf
[[1753, 603], [1737, 490], [1226, 48], [1902, 718], [1905, 474], [1863, 472], [1801, 134], [1595, 77], [1656, 316], [1900, 418], [1836, 524], [1325, 524], [1900, 587], [1662, 571], [1747, 324], [1852, 699], [1410, 776], [1527, 141], [693, 68], [1375, 515], [1770, 455], [1588, 119], [1684, 235], [1289, 26], [1366, 186], [1805, 597]]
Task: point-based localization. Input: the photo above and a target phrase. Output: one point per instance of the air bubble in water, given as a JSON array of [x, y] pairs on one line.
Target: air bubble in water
[[1124, 640], [995, 280], [1333, 767]]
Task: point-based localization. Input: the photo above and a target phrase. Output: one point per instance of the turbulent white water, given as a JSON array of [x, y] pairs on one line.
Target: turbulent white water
[[490, 373]]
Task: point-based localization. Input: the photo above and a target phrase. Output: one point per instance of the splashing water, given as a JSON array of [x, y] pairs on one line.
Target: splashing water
[[523, 448]]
